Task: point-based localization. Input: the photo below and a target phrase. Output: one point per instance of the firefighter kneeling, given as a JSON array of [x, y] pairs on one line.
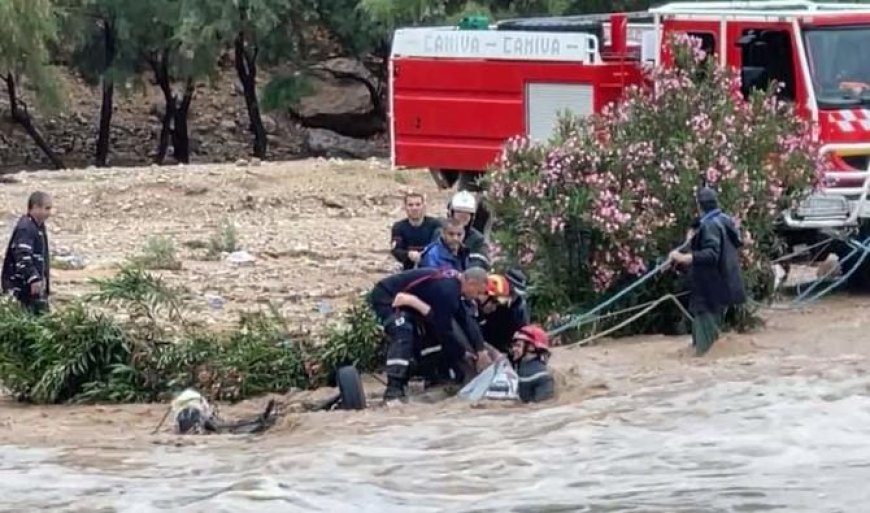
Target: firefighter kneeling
[[421, 302]]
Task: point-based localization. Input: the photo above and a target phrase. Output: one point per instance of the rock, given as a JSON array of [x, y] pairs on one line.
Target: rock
[[326, 143], [195, 190], [241, 258], [228, 124], [241, 162], [332, 203], [256, 162], [270, 125], [215, 301], [342, 100], [69, 262]]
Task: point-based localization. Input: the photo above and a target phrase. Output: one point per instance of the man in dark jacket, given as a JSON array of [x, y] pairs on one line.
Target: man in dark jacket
[[433, 298], [26, 265], [411, 235], [715, 279], [503, 312]]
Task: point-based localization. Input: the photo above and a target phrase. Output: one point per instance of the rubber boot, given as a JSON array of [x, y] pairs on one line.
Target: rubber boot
[[395, 390]]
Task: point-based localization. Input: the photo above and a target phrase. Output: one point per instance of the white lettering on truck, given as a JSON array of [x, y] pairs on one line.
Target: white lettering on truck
[[531, 46], [495, 44]]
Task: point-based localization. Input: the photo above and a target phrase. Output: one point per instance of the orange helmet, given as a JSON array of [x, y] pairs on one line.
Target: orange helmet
[[498, 286], [535, 336]]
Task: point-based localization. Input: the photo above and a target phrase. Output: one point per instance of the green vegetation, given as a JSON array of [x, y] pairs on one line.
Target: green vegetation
[[120, 45], [79, 354]]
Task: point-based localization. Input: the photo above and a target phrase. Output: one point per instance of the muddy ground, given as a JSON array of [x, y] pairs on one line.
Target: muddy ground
[[319, 233], [319, 230]]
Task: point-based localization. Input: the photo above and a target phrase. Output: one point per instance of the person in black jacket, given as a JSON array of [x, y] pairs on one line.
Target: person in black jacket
[[713, 263], [411, 235], [430, 299], [26, 266], [502, 313], [529, 354]]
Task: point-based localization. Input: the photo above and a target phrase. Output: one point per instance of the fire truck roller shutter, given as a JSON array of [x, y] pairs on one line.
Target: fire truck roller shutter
[[546, 100]]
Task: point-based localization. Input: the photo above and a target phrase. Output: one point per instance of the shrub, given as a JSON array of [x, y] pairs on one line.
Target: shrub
[[612, 192], [78, 354], [158, 253]]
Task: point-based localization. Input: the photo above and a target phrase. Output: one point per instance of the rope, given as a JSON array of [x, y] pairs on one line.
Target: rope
[[578, 320], [802, 299], [649, 307]]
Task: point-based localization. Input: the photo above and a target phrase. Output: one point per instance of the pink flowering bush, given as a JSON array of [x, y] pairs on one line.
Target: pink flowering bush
[[591, 210]]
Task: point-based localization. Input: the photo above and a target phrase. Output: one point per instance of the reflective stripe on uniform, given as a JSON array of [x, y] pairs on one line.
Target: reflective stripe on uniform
[[534, 377], [430, 350], [478, 256], [398, 361]]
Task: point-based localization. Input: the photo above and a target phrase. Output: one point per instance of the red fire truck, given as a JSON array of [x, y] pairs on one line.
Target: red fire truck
[[457, 95]]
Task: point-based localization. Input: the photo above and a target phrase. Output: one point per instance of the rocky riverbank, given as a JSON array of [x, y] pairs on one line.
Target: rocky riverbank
[[310, 234]]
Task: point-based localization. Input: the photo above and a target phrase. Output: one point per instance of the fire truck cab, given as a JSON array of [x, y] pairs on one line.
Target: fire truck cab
[[457, 95]]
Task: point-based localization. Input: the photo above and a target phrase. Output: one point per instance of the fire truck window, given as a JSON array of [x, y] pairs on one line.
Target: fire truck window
[[767, 57]]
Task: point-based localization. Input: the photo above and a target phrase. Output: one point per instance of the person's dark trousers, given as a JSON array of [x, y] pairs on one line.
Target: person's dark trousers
[[705, 331], [401, 331], [37, 305]]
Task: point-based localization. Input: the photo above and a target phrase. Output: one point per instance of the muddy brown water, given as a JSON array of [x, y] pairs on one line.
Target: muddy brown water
[[778, 420]]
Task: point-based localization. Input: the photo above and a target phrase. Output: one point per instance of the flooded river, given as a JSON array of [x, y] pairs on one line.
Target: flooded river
[[796, 444], [774, 421]]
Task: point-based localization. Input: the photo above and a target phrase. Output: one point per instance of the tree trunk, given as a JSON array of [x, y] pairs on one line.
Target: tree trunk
[[161, 76], [103, 137], [21, 116], [180, 135], [246, 68]]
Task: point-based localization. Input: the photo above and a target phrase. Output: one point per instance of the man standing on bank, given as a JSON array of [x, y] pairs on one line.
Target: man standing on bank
[[411, 235], [26, 266], [713, 263]]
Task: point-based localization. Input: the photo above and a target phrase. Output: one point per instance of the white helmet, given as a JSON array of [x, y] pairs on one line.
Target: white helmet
[[463, 201]]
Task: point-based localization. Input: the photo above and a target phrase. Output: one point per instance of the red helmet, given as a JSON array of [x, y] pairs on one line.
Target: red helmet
[[534, 335]]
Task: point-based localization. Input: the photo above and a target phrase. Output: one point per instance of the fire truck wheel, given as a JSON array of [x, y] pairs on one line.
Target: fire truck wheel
[[444, 178]]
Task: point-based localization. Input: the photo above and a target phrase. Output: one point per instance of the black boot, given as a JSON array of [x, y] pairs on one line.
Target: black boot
[[395, 390]]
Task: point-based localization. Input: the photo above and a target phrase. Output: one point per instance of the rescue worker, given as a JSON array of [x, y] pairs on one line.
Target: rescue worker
[[411, 235], [462, 206], [447, 252], [502, 313], [26, 265], [713, 264], [529, 354], [430, 299], [482, 221]]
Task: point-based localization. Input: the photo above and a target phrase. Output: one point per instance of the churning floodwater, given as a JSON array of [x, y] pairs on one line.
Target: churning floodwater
[[796, 444]]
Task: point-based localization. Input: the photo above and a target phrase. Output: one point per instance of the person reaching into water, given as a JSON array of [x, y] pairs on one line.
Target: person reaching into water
[[503, 310]]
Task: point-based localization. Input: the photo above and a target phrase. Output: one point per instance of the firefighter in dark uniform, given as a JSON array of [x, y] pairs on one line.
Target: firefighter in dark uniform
[[529, 354], [411, 235], [430, 299], [503, 312], [26, 266]]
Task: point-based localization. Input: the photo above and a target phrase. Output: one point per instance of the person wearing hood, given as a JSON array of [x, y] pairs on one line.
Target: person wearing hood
[[713, 265], [463, 206]]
